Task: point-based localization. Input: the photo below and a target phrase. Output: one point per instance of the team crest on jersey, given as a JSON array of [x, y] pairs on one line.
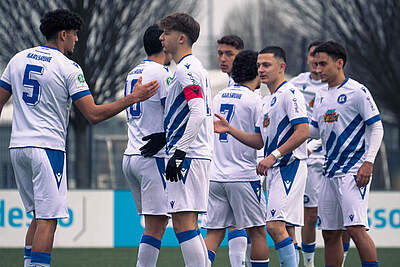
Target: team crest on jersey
[[331, 116], [273, 101], [266, 120], [342, 99], [311, 104]]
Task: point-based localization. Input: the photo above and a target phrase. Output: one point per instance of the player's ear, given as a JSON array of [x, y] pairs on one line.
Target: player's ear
[[182, 38], [339, 63], [282, 66], [62, 35]]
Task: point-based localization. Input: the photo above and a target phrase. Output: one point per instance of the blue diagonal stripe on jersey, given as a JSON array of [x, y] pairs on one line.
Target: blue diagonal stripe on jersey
[[362, 189], [179, 119], [265, 147], [355, 158], [281, 126], [256, 185], [329, 143], [56, 158], [288, 173], [373, 119], [352, 146], [342, 139], [185, 168], [177, 103], [161, 169], [177, 136]]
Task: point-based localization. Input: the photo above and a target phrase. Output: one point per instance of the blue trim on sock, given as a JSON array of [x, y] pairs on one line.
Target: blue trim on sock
[[369, 264], [346, 247], [236, 233], [186, 235], [285, 242], [152, 241], [27, 252], [259, 264], [308, 248], [40, 257], [211, 255]]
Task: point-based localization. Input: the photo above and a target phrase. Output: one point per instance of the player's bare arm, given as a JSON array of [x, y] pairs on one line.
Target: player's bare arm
[[97, 113], [4, 96], [253, 140], [300, 135]]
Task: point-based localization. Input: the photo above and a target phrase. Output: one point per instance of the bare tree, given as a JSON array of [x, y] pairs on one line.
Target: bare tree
[[109, 45]]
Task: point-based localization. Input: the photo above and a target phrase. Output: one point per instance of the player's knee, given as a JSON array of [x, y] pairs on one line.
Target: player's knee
[[356, 232], [331, 236], [275, 229]]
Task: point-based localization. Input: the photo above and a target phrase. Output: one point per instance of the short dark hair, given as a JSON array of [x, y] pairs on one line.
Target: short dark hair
[[315, 43], [276, 50], [151, 40], [183, 23], [244, 67], [232, 40], [60, 19], [333, 49]]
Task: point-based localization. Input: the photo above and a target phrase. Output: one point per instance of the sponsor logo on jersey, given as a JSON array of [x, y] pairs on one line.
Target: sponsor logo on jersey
[[172, 203], [342, 99], [273, 101], [311, 104], [80, 81], [169, 79], [187, 65], [273, 211], [351, 217], [266, 120], [331, 116]]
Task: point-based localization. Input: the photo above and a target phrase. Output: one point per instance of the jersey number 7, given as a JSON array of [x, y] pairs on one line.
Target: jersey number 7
[[228, 111]]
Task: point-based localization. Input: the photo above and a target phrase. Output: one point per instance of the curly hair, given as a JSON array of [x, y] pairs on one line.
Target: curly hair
[[61, 19], [244, 67]]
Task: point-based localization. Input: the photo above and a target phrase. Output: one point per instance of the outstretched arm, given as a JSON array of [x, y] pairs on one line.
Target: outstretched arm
[[253, 140], [97, 113]]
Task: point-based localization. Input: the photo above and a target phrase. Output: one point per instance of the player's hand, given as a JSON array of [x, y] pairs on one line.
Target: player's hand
[[265, 164], [142, 92], [221, 125], [156, 141], [364, 174], [174, 166]]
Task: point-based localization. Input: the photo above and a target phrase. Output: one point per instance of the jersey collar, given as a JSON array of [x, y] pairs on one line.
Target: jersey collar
[[183, 58], [280, 86], [50, 47]]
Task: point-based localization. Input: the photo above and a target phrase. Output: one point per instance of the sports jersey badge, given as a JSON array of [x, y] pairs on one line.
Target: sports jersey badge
[[273, 101], [311, 104], [80, 81], [266, 120], [331, 116], [342, 99]]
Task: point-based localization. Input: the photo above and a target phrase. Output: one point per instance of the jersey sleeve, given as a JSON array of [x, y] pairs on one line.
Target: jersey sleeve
[[295, 107], [76, 84], [257, 114], [190, 82], [5, 81], [367, 107], [164, 82]]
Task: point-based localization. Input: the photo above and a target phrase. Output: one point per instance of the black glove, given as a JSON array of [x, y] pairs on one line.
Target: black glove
[[156, 142], [174, 166]]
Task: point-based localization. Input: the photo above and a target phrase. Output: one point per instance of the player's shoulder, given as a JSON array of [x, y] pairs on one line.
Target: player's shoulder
[[300, 78], [355, 87], [288, 88]]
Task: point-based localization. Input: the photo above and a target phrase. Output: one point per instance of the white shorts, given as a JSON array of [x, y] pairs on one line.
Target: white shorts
[[341, 203], [146, 179], [313, 181], [285, 192], [190, 193], [239, 204], [41, 178]]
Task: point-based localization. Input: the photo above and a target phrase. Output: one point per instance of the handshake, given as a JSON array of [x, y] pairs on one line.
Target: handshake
[[156, 142]]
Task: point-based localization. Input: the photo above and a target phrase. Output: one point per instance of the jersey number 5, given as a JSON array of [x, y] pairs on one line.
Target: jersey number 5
[[32, 85], [228, 111]]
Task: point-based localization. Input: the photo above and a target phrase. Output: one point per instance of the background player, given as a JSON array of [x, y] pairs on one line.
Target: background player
[[348, 122], [308, 84], [43, 83], [145, 176], [189, 136], [236, 197], [284, 128]]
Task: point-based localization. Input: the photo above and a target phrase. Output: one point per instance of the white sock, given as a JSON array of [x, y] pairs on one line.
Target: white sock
[[205, 250], [192, 249], [248, 253], [308, 251], [237, 247], [148, 251], [27, 256]]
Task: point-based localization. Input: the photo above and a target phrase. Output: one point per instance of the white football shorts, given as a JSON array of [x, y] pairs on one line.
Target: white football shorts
[[313, 181]]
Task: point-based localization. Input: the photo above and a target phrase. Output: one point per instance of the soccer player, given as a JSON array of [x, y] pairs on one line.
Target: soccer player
[[236, 197], [145, 176], [308, 84], [188, 136], [348, 122], [228, 47], [283, 129], [44, 82]]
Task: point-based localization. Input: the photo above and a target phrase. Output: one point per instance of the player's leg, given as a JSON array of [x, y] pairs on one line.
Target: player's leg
[[28, 243], [308, 235], [212, 240], [346, 245], [283, 243], [259, 246], [292, 233], [333, 247]]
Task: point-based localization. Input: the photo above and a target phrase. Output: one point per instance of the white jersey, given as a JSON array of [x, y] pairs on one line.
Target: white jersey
[[231, 82], [308, 87], [285, 109], [44, 83], [234, 161], [340, 114], [147, 117], [189, 74]]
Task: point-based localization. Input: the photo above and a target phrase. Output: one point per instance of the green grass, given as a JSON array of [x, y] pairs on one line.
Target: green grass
[[169, 257]]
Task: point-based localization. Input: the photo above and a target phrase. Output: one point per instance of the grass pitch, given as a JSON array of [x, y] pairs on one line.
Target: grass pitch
[[169, 257]]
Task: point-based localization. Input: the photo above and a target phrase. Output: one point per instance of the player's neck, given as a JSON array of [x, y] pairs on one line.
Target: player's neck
[[158, 58], [275, 84], [339, 79], [181, 53], [55, 44], [251, 84]]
